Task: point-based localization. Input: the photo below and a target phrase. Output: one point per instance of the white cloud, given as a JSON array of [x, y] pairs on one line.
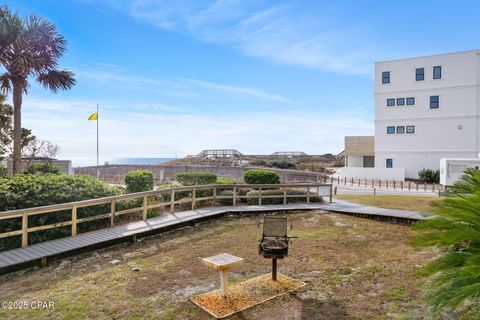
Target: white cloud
[[148, 133], [280, 33], [173, 86]]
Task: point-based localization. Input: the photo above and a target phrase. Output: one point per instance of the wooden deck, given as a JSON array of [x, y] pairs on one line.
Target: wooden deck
[[16, 259]]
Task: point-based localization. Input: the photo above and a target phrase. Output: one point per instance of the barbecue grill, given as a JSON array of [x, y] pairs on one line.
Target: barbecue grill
[[274, 242]]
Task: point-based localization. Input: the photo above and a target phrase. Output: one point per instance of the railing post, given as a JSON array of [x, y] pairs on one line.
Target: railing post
[[194, 197], [112, 213], [425, 186], [24, 230], [144, 215], [74, 220], [284, 194], [214, 195], [259, 196], [172, 201], [433, 187], [234, 195], [330, 193], [308, 194]]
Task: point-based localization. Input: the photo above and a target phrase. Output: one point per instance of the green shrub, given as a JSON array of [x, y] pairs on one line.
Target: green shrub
[[222, 180], [42, 168], [252, 196], [429, 175], [261, 177], [196, 178], [139, 180], [34, 190], [283, 165], [3, 172]]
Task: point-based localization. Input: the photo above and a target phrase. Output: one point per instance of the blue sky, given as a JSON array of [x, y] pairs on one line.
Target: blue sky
[[175, 77]]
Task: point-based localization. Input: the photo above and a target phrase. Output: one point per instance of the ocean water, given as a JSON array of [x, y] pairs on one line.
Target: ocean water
[[140, 160]]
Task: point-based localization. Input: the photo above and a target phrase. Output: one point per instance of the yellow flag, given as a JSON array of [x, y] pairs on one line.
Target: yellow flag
[[93, 116]]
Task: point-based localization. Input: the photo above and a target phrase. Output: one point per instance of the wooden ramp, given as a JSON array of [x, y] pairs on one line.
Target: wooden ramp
[[16, 259]]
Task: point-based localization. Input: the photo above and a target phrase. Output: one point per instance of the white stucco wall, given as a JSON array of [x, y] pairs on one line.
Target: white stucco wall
[[452, 130], [354, 161]]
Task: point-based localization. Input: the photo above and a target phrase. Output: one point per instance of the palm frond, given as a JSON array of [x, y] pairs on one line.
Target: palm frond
[[455, 229], [57, 80], [5, 85]]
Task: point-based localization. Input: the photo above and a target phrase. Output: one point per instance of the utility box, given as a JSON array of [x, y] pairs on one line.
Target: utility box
[[453, 168]]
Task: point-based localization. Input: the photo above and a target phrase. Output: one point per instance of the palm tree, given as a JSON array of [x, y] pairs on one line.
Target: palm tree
[[455, 229], [29, 47]]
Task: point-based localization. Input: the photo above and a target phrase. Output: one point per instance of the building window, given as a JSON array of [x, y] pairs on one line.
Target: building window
[[390, 102], [410, 129], [437, 72], [434, 102], [400, 101], [420, 74], [385, 77], [410, 101], [391, 130], [389, 163], [400, 129]]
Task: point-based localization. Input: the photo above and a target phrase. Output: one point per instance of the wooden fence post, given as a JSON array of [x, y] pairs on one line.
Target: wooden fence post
[[144, 211], [308, 194], [194, 197], [331, 194], [234, 195], [24, 230], [172, 201], [259, 196], [285, 194], [214, 196], [74, 220], [112, 213]]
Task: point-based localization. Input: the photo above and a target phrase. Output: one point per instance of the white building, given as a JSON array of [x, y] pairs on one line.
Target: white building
[[427, 108]]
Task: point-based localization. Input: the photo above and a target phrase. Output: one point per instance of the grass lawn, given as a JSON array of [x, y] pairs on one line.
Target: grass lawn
[[414, 203], [354, 269]]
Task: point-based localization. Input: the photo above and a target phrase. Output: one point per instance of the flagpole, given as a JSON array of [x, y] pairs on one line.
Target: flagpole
[[98, 173]]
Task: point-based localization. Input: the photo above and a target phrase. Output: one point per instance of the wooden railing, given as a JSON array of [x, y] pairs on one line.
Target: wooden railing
[[308, 191]]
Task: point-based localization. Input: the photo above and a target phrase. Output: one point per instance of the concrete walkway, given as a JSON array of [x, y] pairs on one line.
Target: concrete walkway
[[16, 259]]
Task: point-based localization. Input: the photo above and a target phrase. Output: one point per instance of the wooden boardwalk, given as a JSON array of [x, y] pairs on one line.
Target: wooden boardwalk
[[16, 259]]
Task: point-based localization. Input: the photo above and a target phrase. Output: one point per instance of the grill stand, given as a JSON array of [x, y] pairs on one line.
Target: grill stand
[[274, 269]]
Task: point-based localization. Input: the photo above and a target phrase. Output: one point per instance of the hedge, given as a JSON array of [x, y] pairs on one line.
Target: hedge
[[196, 178], [42, 168], [3, 172], [139, 180], [27, 191], [261, 177]]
